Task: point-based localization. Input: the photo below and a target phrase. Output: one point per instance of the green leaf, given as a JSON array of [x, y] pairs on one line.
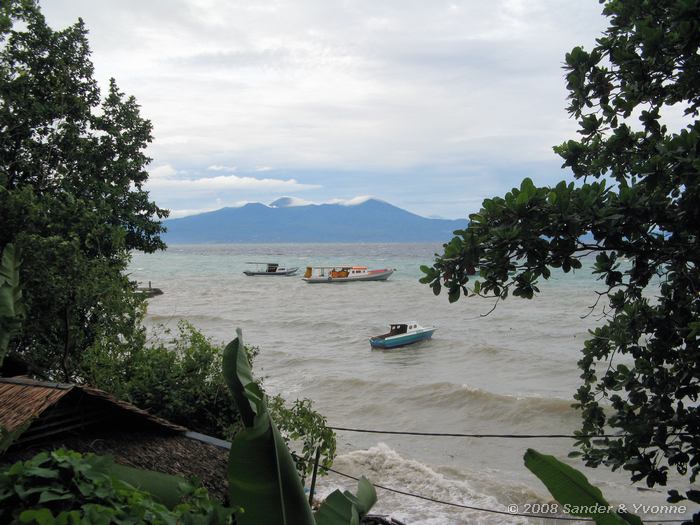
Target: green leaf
[[53, 495], [337, 510], [164, 488], [366, 495], [11, 304], [570, 487], [342, 508], [40, 472], [38, 516], [263, 479]]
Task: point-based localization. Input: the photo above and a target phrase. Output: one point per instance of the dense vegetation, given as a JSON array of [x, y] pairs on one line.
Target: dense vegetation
[[64, 487], [181, 380], [72, 207], [634, 204], [72, 169]]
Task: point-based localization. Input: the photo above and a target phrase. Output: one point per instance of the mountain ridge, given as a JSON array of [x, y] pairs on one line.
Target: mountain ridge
[[285, 220]]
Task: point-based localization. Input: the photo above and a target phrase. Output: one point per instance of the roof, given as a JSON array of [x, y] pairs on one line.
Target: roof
[[23, 399], [21, 402]]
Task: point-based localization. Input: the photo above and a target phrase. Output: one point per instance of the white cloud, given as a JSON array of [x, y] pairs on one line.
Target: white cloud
[[228, 182], [374, 87], [162, 171], [352, 202], [291, 202], [325, 84], [218, 167]]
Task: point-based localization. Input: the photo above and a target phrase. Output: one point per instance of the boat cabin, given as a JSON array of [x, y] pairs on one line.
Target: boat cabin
[[335, 271], [268, 268], [402, 328], [264, 267], [398, 329]]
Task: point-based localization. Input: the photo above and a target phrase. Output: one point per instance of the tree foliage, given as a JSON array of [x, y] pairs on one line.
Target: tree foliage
[[305, 432], [634, 205], [72, 169], [178, 379]]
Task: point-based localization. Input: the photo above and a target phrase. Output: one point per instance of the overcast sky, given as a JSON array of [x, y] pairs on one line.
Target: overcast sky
[[429, 105]]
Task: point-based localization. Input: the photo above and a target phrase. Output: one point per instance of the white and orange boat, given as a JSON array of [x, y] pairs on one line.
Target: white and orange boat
[[345, 274]]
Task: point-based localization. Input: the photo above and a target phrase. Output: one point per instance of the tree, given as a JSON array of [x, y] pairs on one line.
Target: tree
[[72, 169], [634, 205]]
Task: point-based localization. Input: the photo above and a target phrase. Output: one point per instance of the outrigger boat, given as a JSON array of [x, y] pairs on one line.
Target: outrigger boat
[[402, 334], [265, 268], [344, 274]]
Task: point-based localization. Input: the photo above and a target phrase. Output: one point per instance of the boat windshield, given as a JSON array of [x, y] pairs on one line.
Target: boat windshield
[[398, 329]]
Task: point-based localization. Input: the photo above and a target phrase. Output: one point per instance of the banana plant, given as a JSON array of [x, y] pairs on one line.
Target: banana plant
[[263, 478], [572, 489], [11, 306]]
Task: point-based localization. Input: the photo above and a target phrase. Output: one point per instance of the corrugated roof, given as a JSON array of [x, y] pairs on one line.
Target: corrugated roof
[[23, 399]]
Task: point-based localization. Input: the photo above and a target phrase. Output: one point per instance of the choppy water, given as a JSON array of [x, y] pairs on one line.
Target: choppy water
[[511, 372]]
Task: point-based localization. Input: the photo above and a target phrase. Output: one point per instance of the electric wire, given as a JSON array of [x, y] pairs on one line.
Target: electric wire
[[490, 511], [497, 436]]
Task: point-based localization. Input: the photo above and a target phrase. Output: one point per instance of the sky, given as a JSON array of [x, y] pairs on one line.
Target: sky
[[429, 105]]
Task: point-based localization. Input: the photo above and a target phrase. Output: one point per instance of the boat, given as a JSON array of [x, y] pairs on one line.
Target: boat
[[402, 334], [266, 268], [345, 274]]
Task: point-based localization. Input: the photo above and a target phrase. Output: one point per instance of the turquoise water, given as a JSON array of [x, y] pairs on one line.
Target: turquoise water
[[510, 372]]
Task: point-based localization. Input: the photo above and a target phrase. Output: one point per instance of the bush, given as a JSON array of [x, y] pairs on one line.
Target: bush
[[180, 381], [63, 487], [302, 425]]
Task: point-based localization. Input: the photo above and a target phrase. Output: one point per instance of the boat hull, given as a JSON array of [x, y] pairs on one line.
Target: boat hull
[[290, 271], [376, 275], [401, 340]]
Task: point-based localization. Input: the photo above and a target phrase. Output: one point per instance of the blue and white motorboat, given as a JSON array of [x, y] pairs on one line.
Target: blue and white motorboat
[[401, 334]]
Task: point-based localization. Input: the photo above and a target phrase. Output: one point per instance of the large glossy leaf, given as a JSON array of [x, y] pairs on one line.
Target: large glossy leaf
[[346, 508], [165, 488], [337, 509], [9, 282], [570, 487], [263, 479], [11, 308]]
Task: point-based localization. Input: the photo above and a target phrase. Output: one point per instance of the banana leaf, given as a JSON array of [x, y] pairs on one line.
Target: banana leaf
[[570, 487], [345, 508], [11, 306], [165, 488], [263, 479]]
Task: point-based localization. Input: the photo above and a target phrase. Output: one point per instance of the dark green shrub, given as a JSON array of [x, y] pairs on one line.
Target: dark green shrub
[[180, 381], [65, 487], [305, 431]]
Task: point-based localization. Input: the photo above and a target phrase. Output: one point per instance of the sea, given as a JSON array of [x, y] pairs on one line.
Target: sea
[[508, 370]]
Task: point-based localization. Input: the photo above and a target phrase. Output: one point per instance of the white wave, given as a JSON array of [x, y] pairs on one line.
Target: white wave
[[384, 466]]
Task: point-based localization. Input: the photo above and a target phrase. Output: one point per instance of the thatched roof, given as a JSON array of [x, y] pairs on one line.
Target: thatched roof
[[23, 400], [47, 416]]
